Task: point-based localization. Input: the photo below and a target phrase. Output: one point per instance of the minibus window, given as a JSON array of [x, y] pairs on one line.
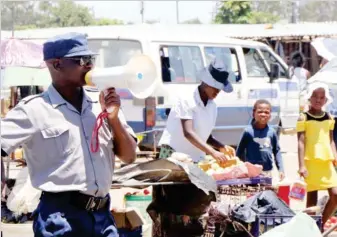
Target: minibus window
[[229, 57], [254, 63], [112, 53], [270, 58], [180, 64]]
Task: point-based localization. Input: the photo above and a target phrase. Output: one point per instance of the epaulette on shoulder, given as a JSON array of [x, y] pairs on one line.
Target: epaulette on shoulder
[[28, 99]]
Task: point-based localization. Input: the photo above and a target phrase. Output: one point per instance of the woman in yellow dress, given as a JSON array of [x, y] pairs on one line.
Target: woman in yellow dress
[[316, 149]]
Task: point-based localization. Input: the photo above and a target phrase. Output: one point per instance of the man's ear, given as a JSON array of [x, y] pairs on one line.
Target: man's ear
[[57, 65]]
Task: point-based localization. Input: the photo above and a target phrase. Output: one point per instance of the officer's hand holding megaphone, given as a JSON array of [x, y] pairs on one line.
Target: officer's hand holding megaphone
[[110, 99]]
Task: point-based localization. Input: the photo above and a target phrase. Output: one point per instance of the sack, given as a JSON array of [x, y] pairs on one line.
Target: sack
[[299, 225], [24, 198]]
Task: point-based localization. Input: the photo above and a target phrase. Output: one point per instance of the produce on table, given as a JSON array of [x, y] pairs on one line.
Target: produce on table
[[139, 193], [211, 164], [233, 168], [332, 221], [182, 157]]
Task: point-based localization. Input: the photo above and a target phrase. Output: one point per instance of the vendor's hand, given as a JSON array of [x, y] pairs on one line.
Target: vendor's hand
[[219, 156], [303, 172], [228, 150], [20, 163], [281, 176], [109, 98]]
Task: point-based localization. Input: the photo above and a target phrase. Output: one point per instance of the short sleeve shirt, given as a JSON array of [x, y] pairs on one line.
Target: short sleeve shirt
[[189, 106], [56, 139]]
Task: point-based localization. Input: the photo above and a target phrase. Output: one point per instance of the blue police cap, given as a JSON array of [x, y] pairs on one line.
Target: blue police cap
[[66, 46]]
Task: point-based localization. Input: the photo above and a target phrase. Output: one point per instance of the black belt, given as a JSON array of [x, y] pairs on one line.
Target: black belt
[[80, 200]]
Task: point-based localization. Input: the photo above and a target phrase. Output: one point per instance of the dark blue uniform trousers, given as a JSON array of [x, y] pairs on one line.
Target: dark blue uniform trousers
[[55, 216]]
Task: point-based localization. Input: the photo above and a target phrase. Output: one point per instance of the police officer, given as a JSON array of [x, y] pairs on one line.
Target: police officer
[[55, 129]]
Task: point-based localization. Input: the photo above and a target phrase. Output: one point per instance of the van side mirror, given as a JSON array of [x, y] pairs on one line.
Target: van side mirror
[[274, 72]]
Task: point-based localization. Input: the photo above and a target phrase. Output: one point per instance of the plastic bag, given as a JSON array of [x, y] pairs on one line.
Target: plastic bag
[[24, 198], [300, 225]]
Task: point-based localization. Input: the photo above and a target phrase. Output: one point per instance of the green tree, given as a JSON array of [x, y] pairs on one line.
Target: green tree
[[319, 11], [192, 21], [269, 12], [64, 13], [247, 12], [262, 18], [107, 21], [21, 13], [234, 12]]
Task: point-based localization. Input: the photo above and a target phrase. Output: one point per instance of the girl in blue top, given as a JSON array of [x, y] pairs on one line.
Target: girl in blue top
[[259, 143]]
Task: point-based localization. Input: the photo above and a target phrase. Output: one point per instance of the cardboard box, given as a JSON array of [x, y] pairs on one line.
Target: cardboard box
[[128, 218]]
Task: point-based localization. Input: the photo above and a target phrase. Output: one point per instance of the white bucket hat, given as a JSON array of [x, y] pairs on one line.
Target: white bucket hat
[[314, 86], [216, 75]]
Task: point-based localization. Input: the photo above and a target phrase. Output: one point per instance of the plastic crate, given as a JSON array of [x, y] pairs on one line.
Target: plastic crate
[[235, 195], [264, 223]]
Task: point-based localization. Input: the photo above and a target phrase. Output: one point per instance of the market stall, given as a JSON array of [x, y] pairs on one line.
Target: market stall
[[186, 201], [183, 194]]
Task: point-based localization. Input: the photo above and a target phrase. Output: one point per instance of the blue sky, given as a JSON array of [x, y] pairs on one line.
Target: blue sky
[[164, 11]]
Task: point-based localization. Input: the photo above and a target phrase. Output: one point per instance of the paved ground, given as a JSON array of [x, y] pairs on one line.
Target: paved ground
[[289, 149]]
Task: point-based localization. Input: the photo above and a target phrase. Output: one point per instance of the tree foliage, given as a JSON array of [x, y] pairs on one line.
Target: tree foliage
[[23, 13], [45, 14], [270, 12], [245, 12], [319, 11], [233, 12], [107, 21], [192, 21], [262, 17], [64, 13]]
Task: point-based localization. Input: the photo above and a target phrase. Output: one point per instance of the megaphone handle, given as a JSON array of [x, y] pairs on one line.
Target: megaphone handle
[[109, 109]]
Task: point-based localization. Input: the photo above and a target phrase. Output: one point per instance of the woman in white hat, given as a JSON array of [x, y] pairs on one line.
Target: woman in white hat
[[193, 118], [316, 148]]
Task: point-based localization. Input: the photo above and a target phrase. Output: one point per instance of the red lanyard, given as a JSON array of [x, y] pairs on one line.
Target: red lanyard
[[94, 144]]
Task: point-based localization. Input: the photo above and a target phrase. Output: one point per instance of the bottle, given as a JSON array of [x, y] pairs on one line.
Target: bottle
[[298, 190], [297, 196]]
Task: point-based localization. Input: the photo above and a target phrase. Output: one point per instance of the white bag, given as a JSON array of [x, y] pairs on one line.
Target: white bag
[[299, 225], [24, 198]]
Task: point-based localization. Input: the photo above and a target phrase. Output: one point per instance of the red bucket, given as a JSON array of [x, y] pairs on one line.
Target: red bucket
[[283, 193]]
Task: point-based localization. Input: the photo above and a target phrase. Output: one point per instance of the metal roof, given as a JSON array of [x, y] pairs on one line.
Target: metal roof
[[281, 30], [226, 30]]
